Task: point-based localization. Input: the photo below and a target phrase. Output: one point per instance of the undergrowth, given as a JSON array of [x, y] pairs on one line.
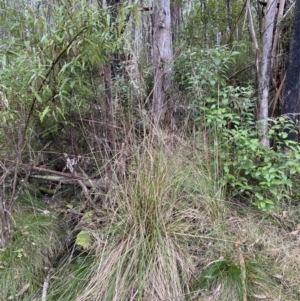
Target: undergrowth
[[165, 232], [28, 260]]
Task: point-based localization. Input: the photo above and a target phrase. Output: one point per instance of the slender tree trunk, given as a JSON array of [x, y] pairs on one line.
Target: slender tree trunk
[[109, 107], [259, 16], [265, 73], [146, 33], [175, 18], [253, 37], [277, 33], [162, 58], [109, 111], [229, 14], [291, 88]]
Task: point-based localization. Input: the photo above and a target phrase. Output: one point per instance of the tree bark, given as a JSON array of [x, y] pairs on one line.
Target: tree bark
[[291, 88], [265, 73], [162, 58]]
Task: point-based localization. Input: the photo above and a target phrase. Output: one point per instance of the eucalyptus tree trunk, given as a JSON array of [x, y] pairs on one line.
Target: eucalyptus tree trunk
[[109, 106], [162, 58], [265, 73], [291, 88]]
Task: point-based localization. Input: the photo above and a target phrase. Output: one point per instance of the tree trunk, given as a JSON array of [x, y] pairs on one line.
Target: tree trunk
[[291, 88], [5, 233], [162, 58], [109, 107], [175, 19], [109, 111], [265, 73], [277, 33]]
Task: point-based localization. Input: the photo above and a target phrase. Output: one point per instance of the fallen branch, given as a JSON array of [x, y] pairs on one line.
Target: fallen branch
[[41, 169], [64, 177], [85, 192], [83, 182]]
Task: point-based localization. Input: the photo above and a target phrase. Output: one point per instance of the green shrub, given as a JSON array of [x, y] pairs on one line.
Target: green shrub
[[263, 175]]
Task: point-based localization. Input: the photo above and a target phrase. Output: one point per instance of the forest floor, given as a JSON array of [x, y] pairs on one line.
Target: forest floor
[[164, 231]]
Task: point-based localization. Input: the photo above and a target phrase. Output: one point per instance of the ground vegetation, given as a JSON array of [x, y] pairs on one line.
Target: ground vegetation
[[149, 150]]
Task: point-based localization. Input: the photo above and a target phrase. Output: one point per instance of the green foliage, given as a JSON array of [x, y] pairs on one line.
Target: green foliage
[[201, 75], [83, 239], [217, 107], [263, 175], [224, 278], [226, 114], [210, 22], [47, 59], [201, 70]]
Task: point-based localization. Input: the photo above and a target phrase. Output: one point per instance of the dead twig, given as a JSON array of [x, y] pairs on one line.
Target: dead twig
[[45, 289], [5, 232]]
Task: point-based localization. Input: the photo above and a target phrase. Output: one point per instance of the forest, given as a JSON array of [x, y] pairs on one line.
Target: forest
[[149, 150]]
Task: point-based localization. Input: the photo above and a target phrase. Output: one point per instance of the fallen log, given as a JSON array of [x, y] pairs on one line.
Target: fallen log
[[63, 177], [98, 184]]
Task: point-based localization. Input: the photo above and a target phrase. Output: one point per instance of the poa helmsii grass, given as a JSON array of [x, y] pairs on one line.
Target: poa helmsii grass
[[147, 253]]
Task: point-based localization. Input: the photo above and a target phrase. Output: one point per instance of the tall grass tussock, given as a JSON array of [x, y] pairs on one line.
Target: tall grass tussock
[[147, 253]]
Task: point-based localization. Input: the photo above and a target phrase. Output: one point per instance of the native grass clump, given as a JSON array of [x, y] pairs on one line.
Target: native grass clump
[[146, 255], [142, 242]]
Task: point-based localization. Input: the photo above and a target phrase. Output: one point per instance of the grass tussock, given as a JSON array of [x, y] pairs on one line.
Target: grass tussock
[[147, 255]]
